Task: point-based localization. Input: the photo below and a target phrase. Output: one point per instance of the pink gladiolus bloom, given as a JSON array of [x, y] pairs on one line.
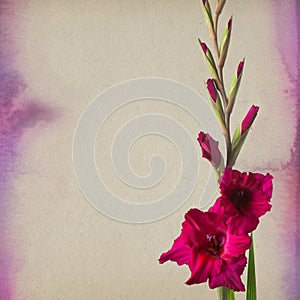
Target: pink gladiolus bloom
[[249, 119], [210, 149], [245, 197], [210, 250], [211, 87]]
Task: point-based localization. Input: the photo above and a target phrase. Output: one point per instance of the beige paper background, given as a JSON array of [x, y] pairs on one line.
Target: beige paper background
[[70, 51]]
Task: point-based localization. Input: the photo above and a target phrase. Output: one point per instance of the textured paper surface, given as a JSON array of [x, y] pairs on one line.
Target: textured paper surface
[[70, 51]]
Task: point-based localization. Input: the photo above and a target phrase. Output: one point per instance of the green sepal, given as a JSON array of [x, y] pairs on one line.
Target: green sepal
[[211, 64], [209, 61], [208, 16], [218, 110], [236, 136], [225, 44], [237, 148], [219, 7], [221, 166], [234, 87]]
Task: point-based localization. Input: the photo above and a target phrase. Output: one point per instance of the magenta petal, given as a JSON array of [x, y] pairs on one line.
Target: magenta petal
[[266, 184], [238, 223], [198, 225], [228, 178], [217, 207], [259, 204], [230, 275], [210, 250], [236, 245], [249, 119], [203, 267], [179, 253], [243, 223]]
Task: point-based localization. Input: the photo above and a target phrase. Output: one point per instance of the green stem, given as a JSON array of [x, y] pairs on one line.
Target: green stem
[[221, 87], [215, 36], [225, 294], [228, 138]]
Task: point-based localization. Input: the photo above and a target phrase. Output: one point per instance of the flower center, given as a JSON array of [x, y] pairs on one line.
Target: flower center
[[215, 244], [240, 198]]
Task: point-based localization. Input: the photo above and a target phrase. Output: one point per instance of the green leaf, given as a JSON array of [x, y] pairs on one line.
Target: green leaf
[[251, 279]]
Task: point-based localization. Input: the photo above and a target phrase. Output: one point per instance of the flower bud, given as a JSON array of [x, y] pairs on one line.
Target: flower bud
[[225, 44], [208, 16], [220, 5], [216, 102], [210, 149], [241, 133], [234, 87], [249, 119], [209, 60], [211, 87]]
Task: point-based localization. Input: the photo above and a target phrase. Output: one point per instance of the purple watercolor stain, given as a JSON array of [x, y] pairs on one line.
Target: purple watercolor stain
[[7, 155], [296, 158], [17, 114], [287, 39]]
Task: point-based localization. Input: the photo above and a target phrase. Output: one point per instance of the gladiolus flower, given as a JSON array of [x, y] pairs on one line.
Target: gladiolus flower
[[210, 149], [210, 250], [245, 197]]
